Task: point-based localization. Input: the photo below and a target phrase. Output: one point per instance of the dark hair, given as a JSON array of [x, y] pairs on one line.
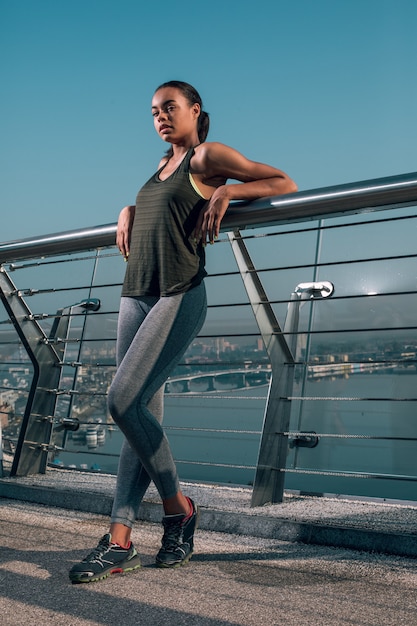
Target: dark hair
[[192, 95]]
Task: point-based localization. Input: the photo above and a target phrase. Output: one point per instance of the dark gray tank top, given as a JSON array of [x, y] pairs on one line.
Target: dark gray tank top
[[164, 259]]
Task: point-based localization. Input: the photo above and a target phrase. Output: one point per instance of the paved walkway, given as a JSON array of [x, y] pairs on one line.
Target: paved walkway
[[309, 561], [232, 580], [373, 526]]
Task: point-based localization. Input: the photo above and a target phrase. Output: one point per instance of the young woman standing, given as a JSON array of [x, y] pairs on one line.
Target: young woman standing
[[163, 307]]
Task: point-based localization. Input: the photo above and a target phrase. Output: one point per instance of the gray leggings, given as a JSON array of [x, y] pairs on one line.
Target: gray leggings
[[153, 335]]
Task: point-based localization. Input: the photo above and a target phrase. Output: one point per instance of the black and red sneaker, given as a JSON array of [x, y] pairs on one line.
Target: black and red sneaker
[[178, 540], [108, 558]]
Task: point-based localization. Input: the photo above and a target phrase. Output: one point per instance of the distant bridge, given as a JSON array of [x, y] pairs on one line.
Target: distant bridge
[[218, 381]]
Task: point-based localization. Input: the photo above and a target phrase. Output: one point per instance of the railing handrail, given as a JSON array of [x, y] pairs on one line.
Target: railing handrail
[[375, 194]]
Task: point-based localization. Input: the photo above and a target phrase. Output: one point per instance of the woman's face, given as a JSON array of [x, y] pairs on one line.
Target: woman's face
[[175, 119]]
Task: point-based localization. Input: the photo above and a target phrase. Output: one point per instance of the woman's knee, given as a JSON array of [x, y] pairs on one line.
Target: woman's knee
[[121, 407], [113, 404], [116, 403]]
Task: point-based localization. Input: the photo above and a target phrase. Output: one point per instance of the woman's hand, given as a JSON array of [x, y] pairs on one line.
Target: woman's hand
[[124, 229], [213, 164], [210, 218]]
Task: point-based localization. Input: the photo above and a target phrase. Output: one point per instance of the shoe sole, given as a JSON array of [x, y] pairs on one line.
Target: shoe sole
[[115, 570], [186, 560]]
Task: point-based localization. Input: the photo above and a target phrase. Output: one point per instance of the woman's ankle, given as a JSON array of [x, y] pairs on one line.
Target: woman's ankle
[[120, 534], [178, 505]]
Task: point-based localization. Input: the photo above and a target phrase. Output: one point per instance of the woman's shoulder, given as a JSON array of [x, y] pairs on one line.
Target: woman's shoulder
[[209, 153], [210, 147]]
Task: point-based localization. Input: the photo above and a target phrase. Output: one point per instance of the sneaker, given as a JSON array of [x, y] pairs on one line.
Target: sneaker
[[108, 558], [178, 540]]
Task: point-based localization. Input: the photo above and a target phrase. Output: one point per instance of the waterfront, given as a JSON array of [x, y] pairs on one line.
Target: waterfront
[[215, 436], [358, 401]]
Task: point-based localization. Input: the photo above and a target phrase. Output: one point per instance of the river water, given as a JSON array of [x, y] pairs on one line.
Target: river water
[[215, 436]]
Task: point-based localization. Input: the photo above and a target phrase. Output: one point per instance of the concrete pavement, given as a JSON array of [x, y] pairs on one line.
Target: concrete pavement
[[373, 526], [232, 579], [309, 561]]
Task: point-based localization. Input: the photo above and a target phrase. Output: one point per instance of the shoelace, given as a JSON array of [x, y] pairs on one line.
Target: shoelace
[[172, 535], [98, 552]]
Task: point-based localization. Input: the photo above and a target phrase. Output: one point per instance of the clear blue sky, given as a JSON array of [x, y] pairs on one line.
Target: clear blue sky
[[325, 89]]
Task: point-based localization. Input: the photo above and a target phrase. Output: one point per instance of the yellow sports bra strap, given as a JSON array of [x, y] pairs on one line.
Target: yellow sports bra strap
[[194, 185]]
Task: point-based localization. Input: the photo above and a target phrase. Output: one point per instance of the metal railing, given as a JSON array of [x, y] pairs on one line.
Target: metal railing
[[282, 378], [369, 195]]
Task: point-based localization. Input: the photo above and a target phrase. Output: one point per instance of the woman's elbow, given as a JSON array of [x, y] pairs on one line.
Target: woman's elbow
[[288, 186]]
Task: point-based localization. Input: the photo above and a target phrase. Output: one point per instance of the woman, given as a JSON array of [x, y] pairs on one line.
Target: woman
[[162, 309]]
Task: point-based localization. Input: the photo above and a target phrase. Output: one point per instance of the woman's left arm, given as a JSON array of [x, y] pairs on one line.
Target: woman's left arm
[[216, 161]]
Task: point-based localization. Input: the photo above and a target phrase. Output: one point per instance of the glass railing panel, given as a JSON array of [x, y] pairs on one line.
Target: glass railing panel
[[110, 269], [369, 278], [102, 325], [368, 236], [215, 434], [214, 407], [399, 213], [43, 273], [282, 247], [283, 258], [225, 289], [358, 387], [236, 320], [219, 257]]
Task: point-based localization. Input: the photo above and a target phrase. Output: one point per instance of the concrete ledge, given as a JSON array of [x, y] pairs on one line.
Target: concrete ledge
[[309, 533], [97, 503], [255, 522]]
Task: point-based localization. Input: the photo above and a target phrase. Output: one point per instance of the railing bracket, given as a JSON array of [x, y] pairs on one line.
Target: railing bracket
[[67, 423], [306, 440]]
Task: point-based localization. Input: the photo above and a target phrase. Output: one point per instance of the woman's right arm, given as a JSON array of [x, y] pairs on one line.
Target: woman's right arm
[[124, 229]]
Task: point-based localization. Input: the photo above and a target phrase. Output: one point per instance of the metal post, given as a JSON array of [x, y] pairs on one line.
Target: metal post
[[34, 441], [281, 348], [302, 293], [270, 472], [32, 446]]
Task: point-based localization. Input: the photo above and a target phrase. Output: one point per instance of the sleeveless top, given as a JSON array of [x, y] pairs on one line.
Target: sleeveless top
[[164, 259]]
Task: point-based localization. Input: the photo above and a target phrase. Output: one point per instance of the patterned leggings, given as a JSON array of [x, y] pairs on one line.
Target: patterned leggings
[[153, 335]]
